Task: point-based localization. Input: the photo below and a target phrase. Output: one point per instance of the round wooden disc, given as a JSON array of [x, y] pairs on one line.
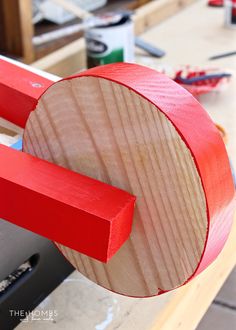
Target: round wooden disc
[[135, 129]]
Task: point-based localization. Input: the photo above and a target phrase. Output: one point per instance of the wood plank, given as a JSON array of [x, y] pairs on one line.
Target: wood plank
[[2, 31], [26, 30], [18, 28]]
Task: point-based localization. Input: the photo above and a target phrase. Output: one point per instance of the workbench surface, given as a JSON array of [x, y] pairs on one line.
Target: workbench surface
[[189, 37]]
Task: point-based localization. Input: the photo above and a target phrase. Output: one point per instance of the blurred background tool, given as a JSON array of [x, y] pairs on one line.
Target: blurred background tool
[[150, 49], [216, 57], [202, 80], [216, 3]]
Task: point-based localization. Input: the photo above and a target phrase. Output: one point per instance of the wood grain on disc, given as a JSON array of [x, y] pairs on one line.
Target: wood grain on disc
[[135, 129]]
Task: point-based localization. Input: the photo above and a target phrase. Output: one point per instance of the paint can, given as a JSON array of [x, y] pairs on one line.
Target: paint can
[[230, 13], [112, 42]]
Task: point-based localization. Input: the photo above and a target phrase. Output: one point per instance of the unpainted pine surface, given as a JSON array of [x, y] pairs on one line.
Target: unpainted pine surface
[[108, 132]]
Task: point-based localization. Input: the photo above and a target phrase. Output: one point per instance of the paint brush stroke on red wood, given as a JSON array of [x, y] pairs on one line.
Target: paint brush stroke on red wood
[[79, 212]]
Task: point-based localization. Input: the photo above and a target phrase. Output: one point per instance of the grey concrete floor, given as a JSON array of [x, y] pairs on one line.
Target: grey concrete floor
[[221, 315]]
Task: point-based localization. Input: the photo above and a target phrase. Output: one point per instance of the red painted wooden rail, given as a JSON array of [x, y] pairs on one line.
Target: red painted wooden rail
[[84, 214], [20, 90]]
